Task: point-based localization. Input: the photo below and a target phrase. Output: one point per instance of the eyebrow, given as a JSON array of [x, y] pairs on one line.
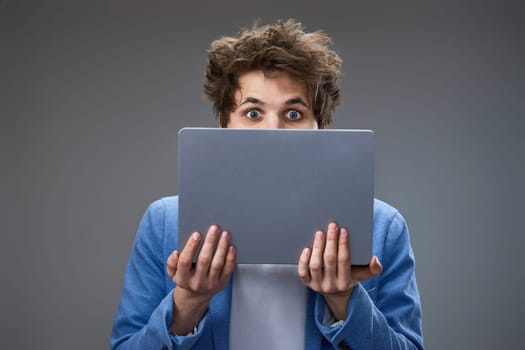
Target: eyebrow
[[251, 100], [292, 101]]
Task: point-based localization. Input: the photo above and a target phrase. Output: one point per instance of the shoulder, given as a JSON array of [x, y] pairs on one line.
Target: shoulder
[[165, 212], [159, 226], [161, 215], [389, 224], [163, 205], [385, 214], [161, 209]]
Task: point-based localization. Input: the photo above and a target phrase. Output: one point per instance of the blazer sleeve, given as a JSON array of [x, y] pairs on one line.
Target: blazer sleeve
[[144, 314], [388, 315]]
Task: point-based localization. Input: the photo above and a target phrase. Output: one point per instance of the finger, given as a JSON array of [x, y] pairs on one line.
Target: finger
[[344, 262], [330, 252], [375, 266], [316, 258], [219, 258], [185, 264], [172, 263], [207, 251], [302, 266], [229, 265], [362, 273]]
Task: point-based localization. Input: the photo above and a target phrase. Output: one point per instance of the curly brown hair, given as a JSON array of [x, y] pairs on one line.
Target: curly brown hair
[[282, 47]]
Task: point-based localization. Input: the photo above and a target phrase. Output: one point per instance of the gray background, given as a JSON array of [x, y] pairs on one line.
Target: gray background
[[92, 94]]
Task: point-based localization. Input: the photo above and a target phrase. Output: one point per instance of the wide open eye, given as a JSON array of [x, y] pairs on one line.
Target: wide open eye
[[293, 114], [253, 114]]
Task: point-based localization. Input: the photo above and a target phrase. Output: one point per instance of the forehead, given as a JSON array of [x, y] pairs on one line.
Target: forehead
[[270, 87]]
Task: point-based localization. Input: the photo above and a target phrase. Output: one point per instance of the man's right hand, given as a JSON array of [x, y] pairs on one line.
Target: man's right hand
[[197, 283]]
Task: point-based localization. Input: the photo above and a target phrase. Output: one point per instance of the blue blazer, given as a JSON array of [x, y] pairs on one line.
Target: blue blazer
[[383, 313]]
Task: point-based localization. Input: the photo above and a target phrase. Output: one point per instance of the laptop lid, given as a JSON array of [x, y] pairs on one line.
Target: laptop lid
[[273, 188]]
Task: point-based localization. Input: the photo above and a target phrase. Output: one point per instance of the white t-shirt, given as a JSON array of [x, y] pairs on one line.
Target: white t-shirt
[[268, 308]]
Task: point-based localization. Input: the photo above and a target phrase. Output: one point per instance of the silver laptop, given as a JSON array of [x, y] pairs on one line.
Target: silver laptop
[[272, 189]]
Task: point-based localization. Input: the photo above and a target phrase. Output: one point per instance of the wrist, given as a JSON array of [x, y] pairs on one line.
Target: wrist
[[338, 304], [188, 310]]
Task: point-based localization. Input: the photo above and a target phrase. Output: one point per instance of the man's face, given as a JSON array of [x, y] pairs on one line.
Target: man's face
[[271, 102]]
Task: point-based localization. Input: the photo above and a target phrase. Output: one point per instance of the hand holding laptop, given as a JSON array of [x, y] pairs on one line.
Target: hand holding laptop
[[197, 284], [326, 268]]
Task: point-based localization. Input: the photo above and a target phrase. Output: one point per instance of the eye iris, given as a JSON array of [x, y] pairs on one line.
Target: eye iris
[[293, 115], [253, 114]]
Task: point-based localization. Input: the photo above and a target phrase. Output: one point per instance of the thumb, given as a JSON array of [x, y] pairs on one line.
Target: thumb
[[375, 266], [362, 273]]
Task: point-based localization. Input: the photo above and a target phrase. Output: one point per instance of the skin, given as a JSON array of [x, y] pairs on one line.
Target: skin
[[276, 101]]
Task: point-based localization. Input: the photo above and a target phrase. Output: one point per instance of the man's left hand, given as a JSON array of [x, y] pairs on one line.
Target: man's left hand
[[327, 269]]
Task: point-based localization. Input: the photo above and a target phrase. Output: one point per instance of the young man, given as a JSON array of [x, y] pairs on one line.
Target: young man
[[269, 77]]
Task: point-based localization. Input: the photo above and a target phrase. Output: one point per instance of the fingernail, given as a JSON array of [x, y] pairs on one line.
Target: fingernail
[[196, 236], [332, 226], [305, 256], [344, 231], [224, 235], [319, 235]]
